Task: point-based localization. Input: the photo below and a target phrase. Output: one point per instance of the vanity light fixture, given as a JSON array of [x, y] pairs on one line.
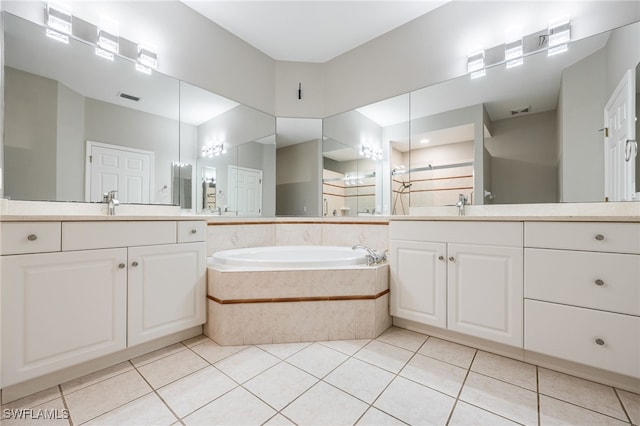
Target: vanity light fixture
[[559, 36], [513, 53], [424, 141], [147, 59], [210, 151], [59, 22], [368, 151], [475, 64], [108, 43]]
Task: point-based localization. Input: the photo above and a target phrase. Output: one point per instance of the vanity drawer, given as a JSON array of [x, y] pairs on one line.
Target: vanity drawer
[[30, 237], [595, 338], [461, 232], [605, 281], [95, 235], [589, 236], [192, 231]]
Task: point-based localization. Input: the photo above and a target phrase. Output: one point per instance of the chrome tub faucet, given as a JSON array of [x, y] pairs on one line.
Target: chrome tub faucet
[[373, 257]]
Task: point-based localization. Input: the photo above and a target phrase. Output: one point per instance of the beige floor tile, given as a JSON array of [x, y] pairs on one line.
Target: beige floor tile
[[317, 359], [468, 415], [35, 399], [556, 412], [246, 364], [409, 340], [446, 351], [284, 350], [49, 413], [104, 396], [436, 374], [325, 405], [156, 355], [237, 407], [148, 410], [280, 385], [194, 341], [383, 355], [584, 393], [507, 400], [213, 352], [631, 403], [348, 347], [171, 368], [362, 380], [506, 369], [98, 376], [414, 403], [375, 417], [196, 390], [279, 420]]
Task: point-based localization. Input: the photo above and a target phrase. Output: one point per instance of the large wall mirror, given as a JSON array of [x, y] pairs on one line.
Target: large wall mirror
[[78, 125], [531, 134]]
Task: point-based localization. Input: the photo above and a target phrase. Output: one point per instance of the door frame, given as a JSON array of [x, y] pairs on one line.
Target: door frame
[[88, 165], [621, 191]]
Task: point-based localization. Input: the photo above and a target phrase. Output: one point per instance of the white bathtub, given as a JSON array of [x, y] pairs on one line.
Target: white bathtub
[[289, 257]]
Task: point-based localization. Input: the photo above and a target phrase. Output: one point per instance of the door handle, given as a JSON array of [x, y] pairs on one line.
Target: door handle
[[629, 146]]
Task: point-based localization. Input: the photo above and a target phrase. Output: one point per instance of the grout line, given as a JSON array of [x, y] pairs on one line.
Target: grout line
[[64, 403], [538, 394], [624, 409], [155, 391]]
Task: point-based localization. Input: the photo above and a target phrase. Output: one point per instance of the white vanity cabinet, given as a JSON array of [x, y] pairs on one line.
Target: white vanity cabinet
[[463, 276], [582, 293], [166, 290], [104, 286], [60, 309]]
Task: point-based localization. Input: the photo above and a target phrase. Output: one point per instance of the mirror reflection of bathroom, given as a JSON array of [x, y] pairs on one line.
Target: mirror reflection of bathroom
[[209, 189], [298, 166], [181, 176]]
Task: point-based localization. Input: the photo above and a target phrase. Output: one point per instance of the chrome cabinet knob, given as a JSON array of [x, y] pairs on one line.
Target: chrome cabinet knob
[[32, 237], [440, 257], [451, 258], [599, 342], [599, 237], [122, 266], [193, 231], [134, 264], [599, 282]]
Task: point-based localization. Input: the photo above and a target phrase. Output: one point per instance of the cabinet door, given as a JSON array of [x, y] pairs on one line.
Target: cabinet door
[[167, 290], [59, 309], [418, 282], [485, 291]]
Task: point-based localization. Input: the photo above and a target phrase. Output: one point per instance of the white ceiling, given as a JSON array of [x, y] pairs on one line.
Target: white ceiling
[[307, 30]]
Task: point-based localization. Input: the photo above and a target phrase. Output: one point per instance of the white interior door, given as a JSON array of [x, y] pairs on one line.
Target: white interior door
[[245, 191], [620, 146], [129, 171]]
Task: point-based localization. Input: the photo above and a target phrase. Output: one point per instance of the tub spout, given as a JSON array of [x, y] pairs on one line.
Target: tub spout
[[373, 256]]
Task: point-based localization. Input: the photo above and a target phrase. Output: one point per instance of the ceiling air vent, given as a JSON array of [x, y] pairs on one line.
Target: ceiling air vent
[[129, 97], [521, 110]]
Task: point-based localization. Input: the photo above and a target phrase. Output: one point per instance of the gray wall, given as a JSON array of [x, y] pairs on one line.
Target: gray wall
[[70, 145], [524, 163], [30, 135]]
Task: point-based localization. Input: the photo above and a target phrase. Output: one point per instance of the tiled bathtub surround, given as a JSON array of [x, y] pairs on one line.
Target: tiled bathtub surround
[[258, 307], [399, 378], [281, 232]]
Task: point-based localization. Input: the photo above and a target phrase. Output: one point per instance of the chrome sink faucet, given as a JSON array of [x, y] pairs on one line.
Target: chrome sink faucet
[[110, 199], [373, 257], [462, 201]]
